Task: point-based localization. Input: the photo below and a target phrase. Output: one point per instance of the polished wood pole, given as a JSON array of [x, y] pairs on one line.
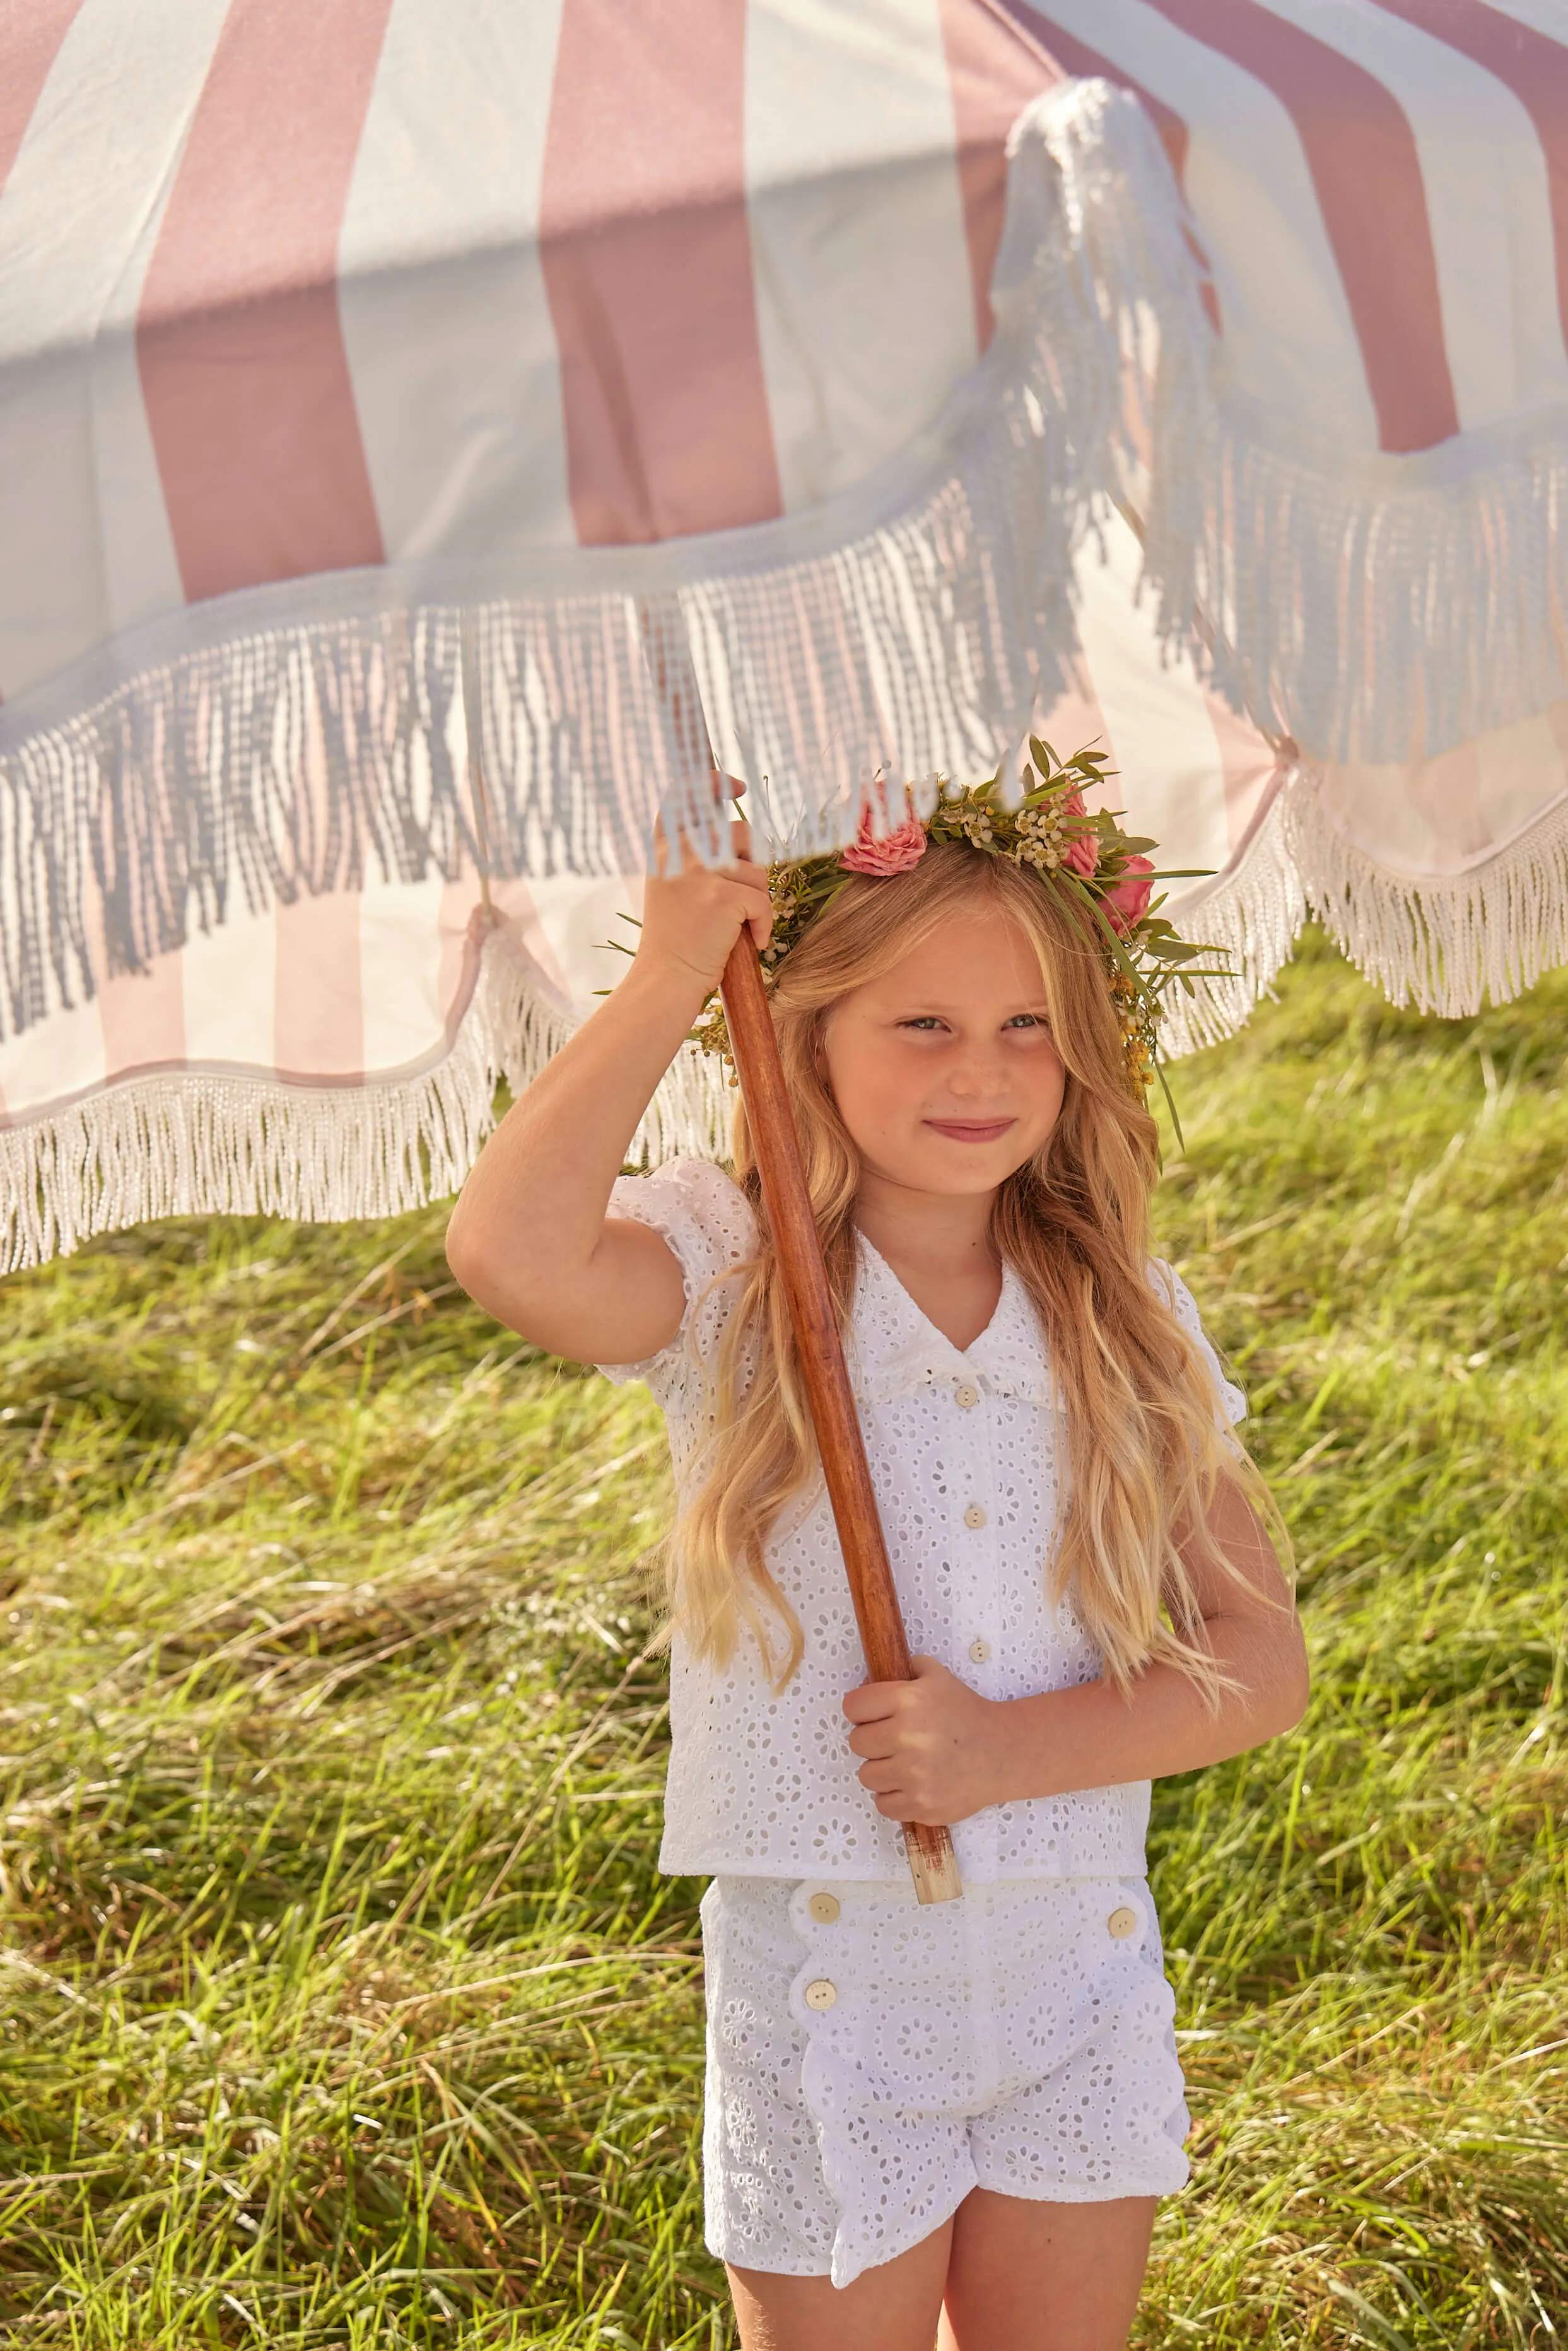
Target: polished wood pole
[[845, 1472]]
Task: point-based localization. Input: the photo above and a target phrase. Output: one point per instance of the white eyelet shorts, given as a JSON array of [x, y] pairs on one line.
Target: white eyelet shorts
[[870, 2061]]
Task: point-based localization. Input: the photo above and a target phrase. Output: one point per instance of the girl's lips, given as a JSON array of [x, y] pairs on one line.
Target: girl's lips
[[971, 1130]]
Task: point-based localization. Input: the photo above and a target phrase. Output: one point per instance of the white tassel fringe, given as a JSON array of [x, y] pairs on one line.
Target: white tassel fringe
[[1377, 610], [199, 1143], [1251, 913], [1444, 943]]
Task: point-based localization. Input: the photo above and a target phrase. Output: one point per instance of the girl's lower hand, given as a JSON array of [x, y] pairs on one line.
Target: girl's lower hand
[[935, 1750], [691, 920]]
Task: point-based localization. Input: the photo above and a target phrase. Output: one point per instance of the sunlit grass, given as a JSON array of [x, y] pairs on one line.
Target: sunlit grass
[[342, 2001]]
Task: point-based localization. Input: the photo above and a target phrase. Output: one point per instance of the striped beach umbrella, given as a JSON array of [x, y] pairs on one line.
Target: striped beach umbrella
[[394, 396]]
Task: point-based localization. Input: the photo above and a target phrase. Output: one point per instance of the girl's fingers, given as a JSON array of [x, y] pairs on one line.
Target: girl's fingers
[[693, 918], [686, 856], [758, 917], [695, 875], [753, 881], [874, 1701]]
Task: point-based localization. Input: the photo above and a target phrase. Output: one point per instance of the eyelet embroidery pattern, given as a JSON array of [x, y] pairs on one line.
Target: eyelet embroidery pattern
[[762, 1783], [1008, 2040]]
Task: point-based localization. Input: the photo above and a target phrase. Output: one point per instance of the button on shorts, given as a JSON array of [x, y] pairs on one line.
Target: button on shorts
[[866, 2071]]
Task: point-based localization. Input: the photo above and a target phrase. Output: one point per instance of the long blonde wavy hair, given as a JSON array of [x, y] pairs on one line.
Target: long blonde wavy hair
[[1144, 1453]]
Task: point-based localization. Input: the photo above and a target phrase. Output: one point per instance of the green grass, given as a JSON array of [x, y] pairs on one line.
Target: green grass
[[341, 2000]]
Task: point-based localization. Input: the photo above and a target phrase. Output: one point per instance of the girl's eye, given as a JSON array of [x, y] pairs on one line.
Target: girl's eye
[[1024, 1021], [926, 1020]]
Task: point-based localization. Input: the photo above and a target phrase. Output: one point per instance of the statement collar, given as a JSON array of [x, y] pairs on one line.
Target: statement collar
[[895, 1350]]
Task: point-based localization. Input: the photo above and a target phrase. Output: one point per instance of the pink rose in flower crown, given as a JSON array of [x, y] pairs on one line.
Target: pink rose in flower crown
[[1127, 901], [1082, 854], [895, 853]]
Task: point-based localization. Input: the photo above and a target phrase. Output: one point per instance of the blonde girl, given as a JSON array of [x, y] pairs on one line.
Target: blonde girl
[[946, 2122]]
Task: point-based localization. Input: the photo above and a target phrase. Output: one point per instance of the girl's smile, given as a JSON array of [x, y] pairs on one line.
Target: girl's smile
[[972, 1130]]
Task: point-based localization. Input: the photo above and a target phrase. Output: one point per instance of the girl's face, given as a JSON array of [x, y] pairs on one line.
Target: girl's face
[[944, 1070]]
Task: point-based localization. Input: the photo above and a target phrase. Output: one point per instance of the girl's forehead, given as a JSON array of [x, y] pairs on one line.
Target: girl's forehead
[[982, 952]]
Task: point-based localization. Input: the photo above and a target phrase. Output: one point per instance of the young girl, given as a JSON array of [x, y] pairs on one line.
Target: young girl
[[955, 2115]]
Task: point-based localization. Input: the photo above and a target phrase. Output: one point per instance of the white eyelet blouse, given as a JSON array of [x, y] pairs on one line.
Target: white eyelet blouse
[[968, 1467]]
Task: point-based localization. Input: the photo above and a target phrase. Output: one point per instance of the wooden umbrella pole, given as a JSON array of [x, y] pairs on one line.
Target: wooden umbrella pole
[[932, 1863]]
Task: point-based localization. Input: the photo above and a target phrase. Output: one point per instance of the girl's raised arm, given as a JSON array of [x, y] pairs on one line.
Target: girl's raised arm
[[529, 1239]]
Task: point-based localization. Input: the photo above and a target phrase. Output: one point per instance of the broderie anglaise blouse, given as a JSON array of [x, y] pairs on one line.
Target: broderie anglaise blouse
[[968, 1470]]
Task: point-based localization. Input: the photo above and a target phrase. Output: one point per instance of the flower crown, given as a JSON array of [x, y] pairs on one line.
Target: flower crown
[[1101, 872]]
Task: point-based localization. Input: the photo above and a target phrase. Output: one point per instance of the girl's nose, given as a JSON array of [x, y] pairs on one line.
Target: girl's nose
[[977, 1075]]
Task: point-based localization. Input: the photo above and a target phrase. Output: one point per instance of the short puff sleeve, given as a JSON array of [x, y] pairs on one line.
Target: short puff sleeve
[[1231, 1405], [705, 1219]]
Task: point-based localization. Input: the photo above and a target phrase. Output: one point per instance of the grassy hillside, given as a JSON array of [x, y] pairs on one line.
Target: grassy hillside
[[341, 2001]]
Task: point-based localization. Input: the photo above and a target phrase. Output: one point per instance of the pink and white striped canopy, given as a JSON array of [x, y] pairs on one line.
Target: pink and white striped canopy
[[391, 392]]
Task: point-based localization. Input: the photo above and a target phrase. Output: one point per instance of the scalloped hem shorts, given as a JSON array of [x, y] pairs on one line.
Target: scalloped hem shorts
[[869, 2061]]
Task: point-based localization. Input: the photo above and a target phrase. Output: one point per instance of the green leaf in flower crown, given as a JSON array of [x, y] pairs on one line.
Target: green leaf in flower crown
[[1111, 935]]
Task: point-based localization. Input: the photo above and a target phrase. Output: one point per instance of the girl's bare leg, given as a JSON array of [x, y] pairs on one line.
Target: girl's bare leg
[[895, 2307], [1044, 2277], [1005, 2270]]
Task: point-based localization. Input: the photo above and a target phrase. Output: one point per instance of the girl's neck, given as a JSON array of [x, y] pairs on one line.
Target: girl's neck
[[940, 1247]]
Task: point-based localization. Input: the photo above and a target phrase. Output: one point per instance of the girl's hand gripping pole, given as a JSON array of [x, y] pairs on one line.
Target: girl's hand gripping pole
[[932, 1863]]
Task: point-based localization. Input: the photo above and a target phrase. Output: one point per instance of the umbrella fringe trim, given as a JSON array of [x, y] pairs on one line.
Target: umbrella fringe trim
[[1391, 608], [1252, 914], [188, 1142], [1445, 944]]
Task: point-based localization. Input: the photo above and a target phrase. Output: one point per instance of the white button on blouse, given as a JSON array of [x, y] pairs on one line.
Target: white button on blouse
[[762, 1782]]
